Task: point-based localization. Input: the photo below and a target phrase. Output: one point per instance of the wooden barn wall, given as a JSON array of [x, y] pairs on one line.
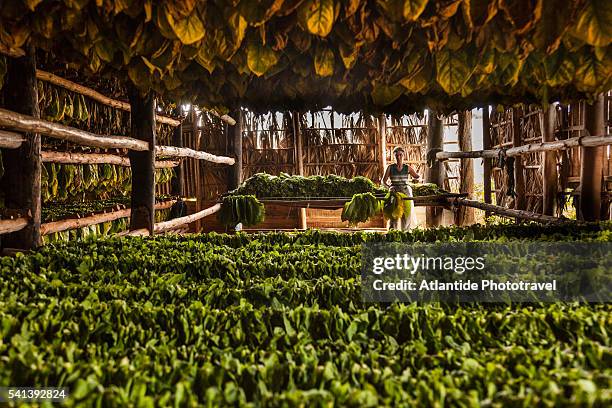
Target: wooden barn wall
[[569, 122]]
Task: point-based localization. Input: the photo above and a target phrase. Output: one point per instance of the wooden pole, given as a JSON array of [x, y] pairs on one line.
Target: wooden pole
[[98, 158], [172, 151], [591, 163], [29, 123], [95, 95], [236, 133], [142, 163], [299, 156], [382, 143], [583, 141], [520, 201], [22, 166], [434, 174], [10, 140], [177, 222], [465, 215], [549, 179], [74, 223], [487, 165], [18, 224], [507, 212], [177, 185]]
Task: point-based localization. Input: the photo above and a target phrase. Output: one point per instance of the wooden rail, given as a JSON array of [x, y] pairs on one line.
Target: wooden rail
[[17, 224], [29, 124], [95, 95], [74, 223], [507, 212], [586, 141], [97, 158], [10, 140], [177, 222]]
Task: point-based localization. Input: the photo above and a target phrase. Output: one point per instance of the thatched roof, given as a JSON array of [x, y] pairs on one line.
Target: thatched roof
[[394, 55]]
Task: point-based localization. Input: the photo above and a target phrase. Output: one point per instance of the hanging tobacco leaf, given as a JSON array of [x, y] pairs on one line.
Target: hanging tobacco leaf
[[260, 58], [413, 8], [324, 61], [452, 70], [383, 94], [594, 23], [318, 16], [189, 29]]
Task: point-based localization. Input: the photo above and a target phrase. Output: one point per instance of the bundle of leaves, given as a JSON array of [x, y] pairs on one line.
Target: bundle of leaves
[[361, 208], [244, 209], [395, 205]]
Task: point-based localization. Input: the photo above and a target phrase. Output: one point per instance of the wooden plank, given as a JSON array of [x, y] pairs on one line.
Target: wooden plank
[[21, 183], [142, 162], [95, 95], [520, 202], [177, 184], [382, 143], [299, 155], [236, 133]]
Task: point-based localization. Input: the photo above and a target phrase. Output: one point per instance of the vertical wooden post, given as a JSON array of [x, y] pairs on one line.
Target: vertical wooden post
[[142, 163], [520, 201], [549, 179], [382, 143], [465, 215], [22, 166], [236, 132], [177, 186], [299, 159], [434, 174], [487, 165], [591, 163]]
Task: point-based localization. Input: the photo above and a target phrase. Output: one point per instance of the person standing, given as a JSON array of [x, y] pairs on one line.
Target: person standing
[[398, 173]]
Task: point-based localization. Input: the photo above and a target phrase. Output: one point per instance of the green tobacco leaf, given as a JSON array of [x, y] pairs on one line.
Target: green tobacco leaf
[[383, 94], [452, 70], [413, 9], [324, 62], [260, 58], [189, 29], [594, 24], [318, 16]]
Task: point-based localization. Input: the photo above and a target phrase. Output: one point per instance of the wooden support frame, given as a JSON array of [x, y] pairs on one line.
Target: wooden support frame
[[10, 140], [299, 156], [520, 201], [171, 151], [143, 162], [382, 143], [486, 144], [236, 134], [549, 161], [591, 170], [465, 215], [14, 225], [21, 183], [178, 222], [434, 174]]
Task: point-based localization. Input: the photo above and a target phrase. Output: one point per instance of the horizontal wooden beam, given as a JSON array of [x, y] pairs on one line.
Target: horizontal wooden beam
[[586, 141], [74, 223], [226, 118], [10, 140], [8, 226], [95, 95], [171, 151], [507, 212], [97, 158], [177, 222], [26, 123]]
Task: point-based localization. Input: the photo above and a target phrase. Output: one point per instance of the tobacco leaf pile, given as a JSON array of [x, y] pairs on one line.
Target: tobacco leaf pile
[[277, 320], [395, 55]]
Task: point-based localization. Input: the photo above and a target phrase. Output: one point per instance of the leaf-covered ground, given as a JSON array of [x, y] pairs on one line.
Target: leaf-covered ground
[[276, 320]]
